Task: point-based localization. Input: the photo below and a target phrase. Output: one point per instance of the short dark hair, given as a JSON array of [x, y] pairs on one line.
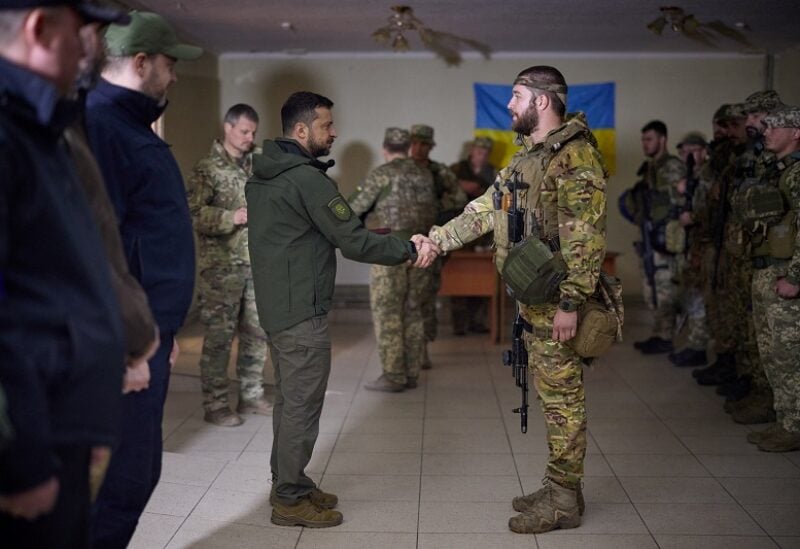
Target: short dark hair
[[657, 126], [300, 107], [239, 110], [548, 75]]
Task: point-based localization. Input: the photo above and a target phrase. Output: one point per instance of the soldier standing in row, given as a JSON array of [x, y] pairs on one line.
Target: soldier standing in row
[[662, 173], [225, 284], [402, 196], [772, 213], [450, 199], [475, 174], [559, 177]]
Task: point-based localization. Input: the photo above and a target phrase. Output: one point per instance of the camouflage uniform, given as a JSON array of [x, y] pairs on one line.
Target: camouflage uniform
[[401, 193], [470, 312], [225, 286], [662, 175], [568, 196], [777, 319]]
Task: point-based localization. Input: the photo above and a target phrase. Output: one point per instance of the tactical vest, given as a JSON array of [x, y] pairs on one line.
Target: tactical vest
[[534, 268], [767, 217], [407, 205]]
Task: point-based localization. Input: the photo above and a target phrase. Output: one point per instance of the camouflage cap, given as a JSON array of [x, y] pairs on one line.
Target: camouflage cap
[[762, 101], [396, 136], [483, 142], [693, 138], [423, 133], [721, 113], [786, 117]]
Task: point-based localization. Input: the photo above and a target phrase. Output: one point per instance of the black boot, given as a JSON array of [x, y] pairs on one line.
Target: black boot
[[718, 376], [688, 357], [736, 389], [655, 346], [723, 359]]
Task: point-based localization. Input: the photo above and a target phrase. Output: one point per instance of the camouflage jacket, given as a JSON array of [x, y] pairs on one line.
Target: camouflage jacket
[[567, 194], [789, 183], [485, 177], [450, 198], [215, 192], [661, 177], [401, 194]]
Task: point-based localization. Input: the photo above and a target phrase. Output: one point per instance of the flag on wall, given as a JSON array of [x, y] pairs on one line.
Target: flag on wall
[[595, 100]]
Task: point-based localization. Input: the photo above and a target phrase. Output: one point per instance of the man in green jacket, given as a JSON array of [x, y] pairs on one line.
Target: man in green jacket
[[297, 219]]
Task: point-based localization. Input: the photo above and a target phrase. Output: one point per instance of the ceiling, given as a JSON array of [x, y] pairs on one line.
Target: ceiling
[[322, 26]]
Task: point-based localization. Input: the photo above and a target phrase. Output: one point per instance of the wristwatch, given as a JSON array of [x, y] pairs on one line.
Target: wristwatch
[[567, 305]]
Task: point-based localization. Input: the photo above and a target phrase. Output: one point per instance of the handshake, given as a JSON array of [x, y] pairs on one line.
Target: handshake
[[427, 251]]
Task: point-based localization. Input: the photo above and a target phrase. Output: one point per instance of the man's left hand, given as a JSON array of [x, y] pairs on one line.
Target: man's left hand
[[786, 289], [565, 325], [173, 355]]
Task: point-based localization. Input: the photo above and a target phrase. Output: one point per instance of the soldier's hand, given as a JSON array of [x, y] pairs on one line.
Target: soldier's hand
[[680, 186], [686, 219], [565, 325], [174, 353], [136, 378], [32, 503], [240, 217], [786, 289], [427, 251]]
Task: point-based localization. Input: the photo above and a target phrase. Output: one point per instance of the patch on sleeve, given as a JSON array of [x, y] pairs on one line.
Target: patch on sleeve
[[340, 209]]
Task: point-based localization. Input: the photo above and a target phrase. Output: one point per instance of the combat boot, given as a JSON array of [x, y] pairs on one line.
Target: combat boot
[[317, 496], [757, 436], [304, 513], [385, 385], [688, 358], [760, 410], [723, 359], [780, 441], [656, 346], [411, 383], [717, 376], [524, 503], [261, 407], [736, 389], [556, 508], [754, 397], [224, 417]]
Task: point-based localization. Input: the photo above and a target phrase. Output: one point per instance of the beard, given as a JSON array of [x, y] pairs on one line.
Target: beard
[[319, 148], [527, 122], [752, 132]]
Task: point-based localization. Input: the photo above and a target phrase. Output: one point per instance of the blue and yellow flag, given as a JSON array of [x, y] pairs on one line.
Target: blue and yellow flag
[[595, 100]]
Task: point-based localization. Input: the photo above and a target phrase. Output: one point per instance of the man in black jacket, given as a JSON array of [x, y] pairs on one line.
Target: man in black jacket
[[61, 337]]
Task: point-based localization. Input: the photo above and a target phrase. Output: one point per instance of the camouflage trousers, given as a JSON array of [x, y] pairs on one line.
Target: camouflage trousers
[[697, 335], [665, 311], [778, 327], [428, 305], [396, 295], [468, 312], [724, 333], [227, 305], [557, 373]]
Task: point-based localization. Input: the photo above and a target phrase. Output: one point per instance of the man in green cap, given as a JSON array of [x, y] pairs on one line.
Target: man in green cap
[[297, 219], [559, 176], [776, 281], [400, 194], [147, 190], [450, 200]]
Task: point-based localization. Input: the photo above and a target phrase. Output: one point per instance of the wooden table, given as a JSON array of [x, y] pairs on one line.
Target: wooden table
[[471, 273]]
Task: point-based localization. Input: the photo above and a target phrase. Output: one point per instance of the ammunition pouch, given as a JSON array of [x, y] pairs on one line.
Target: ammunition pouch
[[600, 319], [763, 206], [660, 206], [764, 261], [533, 272], [674, 237], [658, 238], [781, 236]]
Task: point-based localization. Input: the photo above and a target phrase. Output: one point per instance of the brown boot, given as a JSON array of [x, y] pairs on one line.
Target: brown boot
[[780, 441], [224, 417], [523, 503], [556, 508], [757, 436], [760, 411], [317, 496], [304, 513], [262, 407]]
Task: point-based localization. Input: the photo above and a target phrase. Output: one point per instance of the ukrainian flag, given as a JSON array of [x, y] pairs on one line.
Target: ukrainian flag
[[595, 100]]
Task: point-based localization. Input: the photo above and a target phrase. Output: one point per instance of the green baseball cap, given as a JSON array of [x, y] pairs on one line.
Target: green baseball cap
[[148, 33]]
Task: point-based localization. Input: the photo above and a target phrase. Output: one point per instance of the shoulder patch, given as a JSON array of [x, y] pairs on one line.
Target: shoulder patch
[[340, 209]]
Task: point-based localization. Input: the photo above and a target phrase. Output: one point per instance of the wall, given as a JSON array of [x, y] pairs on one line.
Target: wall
[[372, 92]]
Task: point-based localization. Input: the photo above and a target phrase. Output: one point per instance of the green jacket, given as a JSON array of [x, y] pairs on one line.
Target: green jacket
[[297, 219]]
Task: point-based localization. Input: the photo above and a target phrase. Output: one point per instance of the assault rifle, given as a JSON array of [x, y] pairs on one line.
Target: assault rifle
[[645, 247], [517, 356]]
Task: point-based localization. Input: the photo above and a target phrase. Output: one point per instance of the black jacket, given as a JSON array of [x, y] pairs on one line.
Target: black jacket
[[61, 338]]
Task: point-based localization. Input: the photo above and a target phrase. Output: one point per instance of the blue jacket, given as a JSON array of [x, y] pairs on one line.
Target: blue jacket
[[146, 188], [61, 337]]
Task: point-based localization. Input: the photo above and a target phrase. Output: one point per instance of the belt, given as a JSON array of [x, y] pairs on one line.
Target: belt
[[538, 333], [764, 261]]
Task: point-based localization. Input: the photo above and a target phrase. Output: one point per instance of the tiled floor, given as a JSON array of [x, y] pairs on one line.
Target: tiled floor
[[436, 467]]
